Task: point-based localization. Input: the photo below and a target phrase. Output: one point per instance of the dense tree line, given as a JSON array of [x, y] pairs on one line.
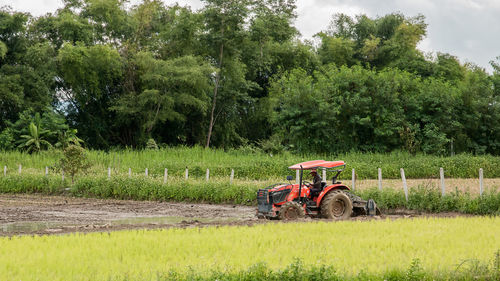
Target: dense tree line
[[236, 73]]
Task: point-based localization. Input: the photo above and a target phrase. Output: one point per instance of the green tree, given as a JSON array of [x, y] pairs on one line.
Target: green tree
[[390, 40], [448, 67], [90, 81], [299, 107], [337, 50], [224, 21], [109, 20], [270, 48], [173, 90], [65, 25], [27, 76], [344, 109], [479, 113], [74, 161]]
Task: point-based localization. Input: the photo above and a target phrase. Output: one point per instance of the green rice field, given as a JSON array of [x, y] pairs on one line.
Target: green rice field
[[439, 248]]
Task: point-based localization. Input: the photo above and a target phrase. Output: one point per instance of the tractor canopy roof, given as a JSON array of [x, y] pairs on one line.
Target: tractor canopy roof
[[315, 164]]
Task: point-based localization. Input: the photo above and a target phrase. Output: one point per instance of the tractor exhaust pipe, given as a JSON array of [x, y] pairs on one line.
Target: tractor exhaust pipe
[[300, 184]]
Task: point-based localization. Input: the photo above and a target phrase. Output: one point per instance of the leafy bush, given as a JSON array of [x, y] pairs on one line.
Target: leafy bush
[[74, 161], [151, 144], [6, 139]]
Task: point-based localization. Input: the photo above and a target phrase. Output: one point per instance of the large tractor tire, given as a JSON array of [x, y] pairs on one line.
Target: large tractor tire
[[336, 205], [291, 211]]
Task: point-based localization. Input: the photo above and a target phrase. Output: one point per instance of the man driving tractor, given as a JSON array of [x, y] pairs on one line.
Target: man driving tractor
[[316, 185]]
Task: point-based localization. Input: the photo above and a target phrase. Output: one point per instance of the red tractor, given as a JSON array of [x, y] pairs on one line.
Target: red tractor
[[332, 201]]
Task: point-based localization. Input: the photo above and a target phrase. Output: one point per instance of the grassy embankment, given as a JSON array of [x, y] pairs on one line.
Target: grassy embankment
[[418, 249], [240, 192], [259, 166]]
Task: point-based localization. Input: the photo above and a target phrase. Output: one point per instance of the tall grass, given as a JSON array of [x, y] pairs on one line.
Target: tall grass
[[259, 166], [427, 199]]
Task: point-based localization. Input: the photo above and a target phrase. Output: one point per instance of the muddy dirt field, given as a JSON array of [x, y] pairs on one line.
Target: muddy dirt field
[[38, 214]]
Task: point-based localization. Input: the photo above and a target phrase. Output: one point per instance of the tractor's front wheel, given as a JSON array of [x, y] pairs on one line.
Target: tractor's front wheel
[[291, 211], [336, 205]]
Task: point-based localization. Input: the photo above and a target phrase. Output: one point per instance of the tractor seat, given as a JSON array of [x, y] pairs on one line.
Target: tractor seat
[[316, 192]]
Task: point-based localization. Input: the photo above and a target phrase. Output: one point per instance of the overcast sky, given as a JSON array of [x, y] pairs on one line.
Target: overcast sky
[[468, 29]]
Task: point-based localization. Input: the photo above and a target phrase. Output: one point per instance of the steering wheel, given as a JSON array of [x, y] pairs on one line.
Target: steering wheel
[[306, 183]]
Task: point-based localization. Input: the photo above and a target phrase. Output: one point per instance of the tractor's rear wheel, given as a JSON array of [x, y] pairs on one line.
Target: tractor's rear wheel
[[336, 205], [291, 211]]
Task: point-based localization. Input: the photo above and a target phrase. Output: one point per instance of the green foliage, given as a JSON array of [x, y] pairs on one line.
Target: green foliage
[[381, 42], [11, 95], [68, 137], [90, 77], [34, 142], [171, 91], [337, 50], [345, 109], [235, 73], [430, 200], [51, 128], [74, 161], [6, 139], [151, 144], [3, 50]]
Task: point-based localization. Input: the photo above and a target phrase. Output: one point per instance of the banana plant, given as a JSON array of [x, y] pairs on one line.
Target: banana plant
[[34, 142], [67, 138]]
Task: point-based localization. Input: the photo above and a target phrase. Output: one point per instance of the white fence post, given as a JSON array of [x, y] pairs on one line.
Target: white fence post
[[380, 179], [207, 176], [109, 172], [481, 181], [297, 176], [5, 170], [353, 179], [324, 175], [62, 175], [232, 177], [20, 168], [129, 172], [187, 173], [46, 170], [441, 176], [405, 187], [165, 176], [146, 172]]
